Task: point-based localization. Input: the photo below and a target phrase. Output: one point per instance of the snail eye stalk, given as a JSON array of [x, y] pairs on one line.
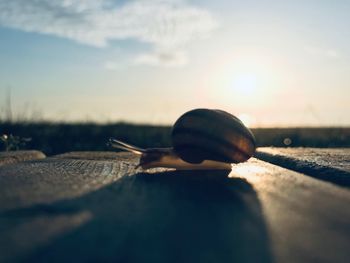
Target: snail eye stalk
[[125, 146]]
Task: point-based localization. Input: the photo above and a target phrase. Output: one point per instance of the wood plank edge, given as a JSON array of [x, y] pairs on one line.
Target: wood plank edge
[[326, 173], [20, 156]]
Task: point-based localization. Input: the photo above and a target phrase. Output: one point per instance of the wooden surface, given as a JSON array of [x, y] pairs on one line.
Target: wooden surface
[[331, 165], [19, 156], [88, 207]]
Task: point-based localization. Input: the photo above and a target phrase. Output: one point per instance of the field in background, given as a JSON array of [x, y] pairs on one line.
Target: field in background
[[53, 138]]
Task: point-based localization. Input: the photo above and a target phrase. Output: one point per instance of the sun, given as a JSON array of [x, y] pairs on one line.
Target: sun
[[244, 83]]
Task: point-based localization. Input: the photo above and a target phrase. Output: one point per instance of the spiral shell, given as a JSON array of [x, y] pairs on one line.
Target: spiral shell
[[205, 134]]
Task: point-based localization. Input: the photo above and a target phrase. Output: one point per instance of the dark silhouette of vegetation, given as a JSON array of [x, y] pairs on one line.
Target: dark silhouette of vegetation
[[12, 142], [54, 138]]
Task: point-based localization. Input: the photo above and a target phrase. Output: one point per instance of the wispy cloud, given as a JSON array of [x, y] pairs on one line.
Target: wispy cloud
[[324, 52], [112, 65], [166, 24], [169, 59]]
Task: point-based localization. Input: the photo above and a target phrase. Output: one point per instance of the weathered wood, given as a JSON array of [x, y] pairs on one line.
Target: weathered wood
[[331, 165], [56, 178], [99, 156], [92, 207], [19, 156], [307, 219]]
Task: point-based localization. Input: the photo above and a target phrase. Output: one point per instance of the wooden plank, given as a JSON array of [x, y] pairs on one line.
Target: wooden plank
[[87, 207], [338, 158], [19, 156], [307, 219], [96, 156], [332, 165]]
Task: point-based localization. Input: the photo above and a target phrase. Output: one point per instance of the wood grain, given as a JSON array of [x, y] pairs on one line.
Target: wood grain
[[97, 207], [19, 156], [332, 165]]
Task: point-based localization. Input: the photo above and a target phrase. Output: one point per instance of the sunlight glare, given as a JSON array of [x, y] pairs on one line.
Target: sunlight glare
[[244, 80], [250, 171], [247, 119], [245, 83]]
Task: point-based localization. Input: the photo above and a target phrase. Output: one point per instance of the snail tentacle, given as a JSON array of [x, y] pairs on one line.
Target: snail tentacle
[[125, 146]]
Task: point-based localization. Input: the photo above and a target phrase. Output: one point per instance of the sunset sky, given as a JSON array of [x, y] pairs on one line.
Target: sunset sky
[[272, 63]]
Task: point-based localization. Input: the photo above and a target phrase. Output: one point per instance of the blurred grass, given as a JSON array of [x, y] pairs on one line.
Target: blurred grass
[[54, 138]]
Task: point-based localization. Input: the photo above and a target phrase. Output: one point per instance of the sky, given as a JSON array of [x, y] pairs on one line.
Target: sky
[[271, 63]]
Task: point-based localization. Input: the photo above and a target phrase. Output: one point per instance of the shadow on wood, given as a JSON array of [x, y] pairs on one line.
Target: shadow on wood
[[201, 216]]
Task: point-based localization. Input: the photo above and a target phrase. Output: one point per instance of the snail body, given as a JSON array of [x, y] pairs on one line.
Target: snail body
[[202, 139]]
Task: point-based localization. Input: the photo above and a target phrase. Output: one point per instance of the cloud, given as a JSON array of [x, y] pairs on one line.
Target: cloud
[[332, 53], [324, 52], [112, 65], [165, 24], [167, 59]]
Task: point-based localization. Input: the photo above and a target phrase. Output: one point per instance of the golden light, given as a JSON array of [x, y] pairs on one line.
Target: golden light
[[250, 170]]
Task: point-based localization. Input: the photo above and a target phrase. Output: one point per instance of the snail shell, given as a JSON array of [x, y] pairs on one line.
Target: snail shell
[[204, 134], [202, 139]]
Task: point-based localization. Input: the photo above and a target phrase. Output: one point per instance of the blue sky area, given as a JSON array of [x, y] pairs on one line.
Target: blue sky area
[[271, 63]]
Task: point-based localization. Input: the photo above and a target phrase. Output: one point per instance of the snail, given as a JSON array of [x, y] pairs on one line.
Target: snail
[[202, 139]]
